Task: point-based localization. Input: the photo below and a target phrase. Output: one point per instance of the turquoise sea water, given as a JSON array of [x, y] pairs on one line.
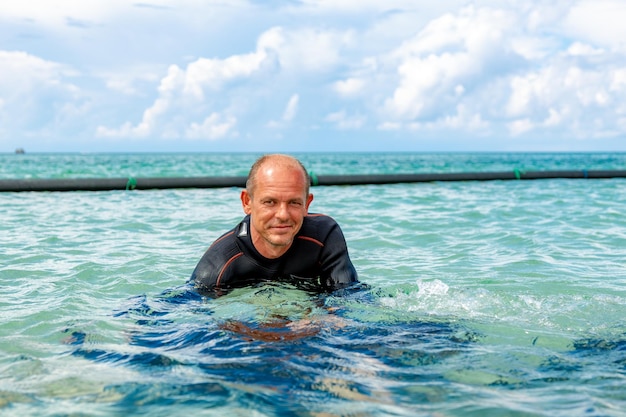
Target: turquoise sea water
[[485, 298]]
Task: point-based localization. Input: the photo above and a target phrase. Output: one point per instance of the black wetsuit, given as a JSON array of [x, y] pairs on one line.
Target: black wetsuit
[[317, 260]]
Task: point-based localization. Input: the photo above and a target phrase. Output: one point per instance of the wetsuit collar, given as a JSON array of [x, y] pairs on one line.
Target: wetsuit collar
[[243, 229]]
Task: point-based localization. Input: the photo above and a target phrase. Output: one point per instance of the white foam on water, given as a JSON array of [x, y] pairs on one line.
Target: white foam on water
[[432, 288]]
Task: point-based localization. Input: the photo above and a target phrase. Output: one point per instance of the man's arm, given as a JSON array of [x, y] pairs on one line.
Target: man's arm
[[338, 270], [213, 269]]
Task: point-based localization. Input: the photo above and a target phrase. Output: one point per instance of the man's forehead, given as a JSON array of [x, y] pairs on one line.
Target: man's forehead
[[281, 187], [286, 188], [284, 175]]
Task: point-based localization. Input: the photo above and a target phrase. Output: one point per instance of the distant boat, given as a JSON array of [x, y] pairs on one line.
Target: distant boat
[[20, 151]]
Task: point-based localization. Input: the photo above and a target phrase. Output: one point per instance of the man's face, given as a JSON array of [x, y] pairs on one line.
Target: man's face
[[277, 208]]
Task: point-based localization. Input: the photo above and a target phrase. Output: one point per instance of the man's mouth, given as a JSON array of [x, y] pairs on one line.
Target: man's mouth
[[281, 227]]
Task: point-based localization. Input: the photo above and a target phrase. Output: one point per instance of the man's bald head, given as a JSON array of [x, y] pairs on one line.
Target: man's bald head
[[276, 161]]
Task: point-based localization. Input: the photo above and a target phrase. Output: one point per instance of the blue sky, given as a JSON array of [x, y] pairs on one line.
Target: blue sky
[[312, 75]]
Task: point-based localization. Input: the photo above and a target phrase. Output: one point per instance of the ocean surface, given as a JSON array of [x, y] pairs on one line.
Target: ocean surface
[[495, 298]]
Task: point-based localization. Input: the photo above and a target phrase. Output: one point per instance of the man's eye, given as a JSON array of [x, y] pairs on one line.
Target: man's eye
[[268, 202]]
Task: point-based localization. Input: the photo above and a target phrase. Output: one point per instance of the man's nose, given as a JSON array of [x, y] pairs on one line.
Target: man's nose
[[283, 211]]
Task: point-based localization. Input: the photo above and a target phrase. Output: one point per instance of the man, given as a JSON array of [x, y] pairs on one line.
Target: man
[[277, 240]]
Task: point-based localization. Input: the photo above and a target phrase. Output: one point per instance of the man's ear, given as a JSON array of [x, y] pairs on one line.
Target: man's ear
[[309, 199], [246, 201]]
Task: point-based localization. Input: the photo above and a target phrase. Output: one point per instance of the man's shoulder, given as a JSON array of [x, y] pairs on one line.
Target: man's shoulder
[[319, 220], [223, 249], [227, 242], [318, 225]]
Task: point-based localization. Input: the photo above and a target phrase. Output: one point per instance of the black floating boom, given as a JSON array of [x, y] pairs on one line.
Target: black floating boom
[[107, 184]]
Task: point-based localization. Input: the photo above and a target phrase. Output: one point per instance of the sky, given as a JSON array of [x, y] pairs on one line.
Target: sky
[[312, 75]]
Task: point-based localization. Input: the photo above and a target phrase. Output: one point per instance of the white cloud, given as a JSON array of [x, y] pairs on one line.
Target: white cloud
[[345, 122], [565, 86], [292, 108], [518, 127], [183, 98], [354, 5], [524, 89], [482, 68], [62, 13], [378, 7], [533, 48], [306, 49], [35, 93], [21, 72], [582, 49], [207, 85], [349, 87], [215, 126], [450, 52], [213, 74], [289, 113], [462, 118], [40, 11], [581, 100], [598, 21], [130, 81], [618, 81]]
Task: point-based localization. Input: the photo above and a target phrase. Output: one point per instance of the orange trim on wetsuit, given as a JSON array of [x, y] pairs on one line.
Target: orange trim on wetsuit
[[310, 239], [230, 261]]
